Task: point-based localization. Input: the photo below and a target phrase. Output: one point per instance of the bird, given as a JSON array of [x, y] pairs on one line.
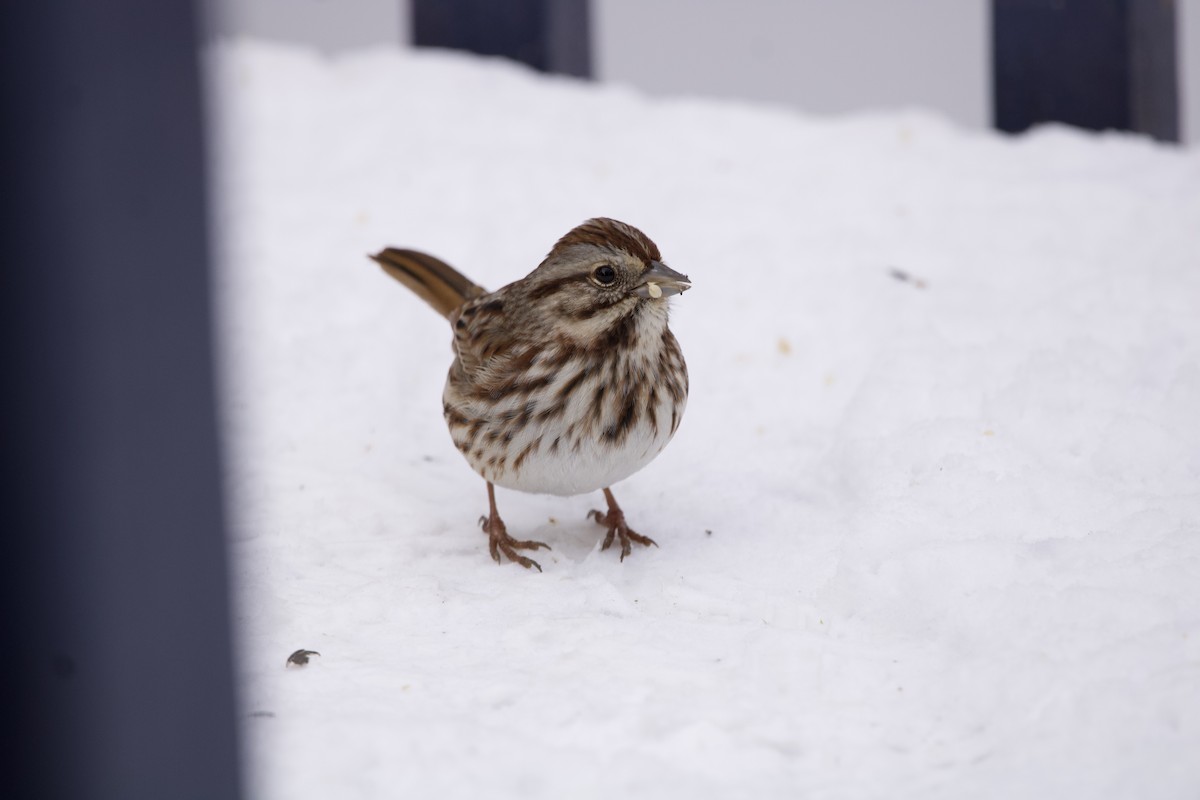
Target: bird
[[563, 382]]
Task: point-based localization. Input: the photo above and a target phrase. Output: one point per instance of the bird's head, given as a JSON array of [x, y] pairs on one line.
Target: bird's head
[[599, 274]]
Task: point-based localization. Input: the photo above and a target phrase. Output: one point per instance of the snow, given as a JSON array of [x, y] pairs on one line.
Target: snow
[[931, 524]]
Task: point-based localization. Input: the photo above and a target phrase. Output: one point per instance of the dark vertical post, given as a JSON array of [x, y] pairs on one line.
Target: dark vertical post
[[548, 35], [1153, 69], [115, 607], [1095, 64], [1064, 61]]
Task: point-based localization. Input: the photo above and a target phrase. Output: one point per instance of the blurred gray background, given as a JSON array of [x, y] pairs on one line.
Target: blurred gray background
[[817, 55]]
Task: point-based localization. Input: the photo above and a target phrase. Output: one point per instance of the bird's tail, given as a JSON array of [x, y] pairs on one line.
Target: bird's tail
[[433, 280]]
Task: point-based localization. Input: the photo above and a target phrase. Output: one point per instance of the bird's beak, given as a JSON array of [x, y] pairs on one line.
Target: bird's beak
[[662, 281]]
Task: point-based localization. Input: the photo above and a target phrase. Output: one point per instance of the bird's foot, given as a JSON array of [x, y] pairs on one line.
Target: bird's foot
[[500, 542], [619, 530]]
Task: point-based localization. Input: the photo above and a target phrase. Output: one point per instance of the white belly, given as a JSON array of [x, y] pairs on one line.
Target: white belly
[[586, 464], [563, 456]]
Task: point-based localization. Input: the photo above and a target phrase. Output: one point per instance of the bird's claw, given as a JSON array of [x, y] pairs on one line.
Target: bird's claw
[[500, 542], [619, 530]]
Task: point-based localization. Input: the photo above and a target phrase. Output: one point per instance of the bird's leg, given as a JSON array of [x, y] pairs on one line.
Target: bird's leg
[[614, 520], [500, 542]]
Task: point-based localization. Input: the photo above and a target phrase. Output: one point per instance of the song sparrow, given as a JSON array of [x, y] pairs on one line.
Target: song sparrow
[[565, 381]]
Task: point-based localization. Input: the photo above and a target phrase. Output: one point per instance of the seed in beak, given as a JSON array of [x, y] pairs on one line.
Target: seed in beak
[[653, 289]]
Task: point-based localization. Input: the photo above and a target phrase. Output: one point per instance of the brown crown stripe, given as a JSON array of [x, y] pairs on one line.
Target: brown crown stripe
[[610, 235]]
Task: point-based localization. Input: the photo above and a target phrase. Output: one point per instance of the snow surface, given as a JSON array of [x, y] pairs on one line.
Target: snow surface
[[919, 538]]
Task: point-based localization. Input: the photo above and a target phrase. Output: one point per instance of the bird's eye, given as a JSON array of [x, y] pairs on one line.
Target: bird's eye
[[604, 274]]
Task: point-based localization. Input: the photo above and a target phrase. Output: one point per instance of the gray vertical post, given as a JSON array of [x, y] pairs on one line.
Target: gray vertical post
[[1153, 69], [115, 607]]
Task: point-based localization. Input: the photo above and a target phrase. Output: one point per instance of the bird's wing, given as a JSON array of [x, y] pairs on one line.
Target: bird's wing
[[484, 340]]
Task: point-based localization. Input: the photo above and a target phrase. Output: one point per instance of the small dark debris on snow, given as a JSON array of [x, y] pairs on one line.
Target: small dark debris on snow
[[427, 458], [904, 277], [300, 657], [262, 714], [707, 532]]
